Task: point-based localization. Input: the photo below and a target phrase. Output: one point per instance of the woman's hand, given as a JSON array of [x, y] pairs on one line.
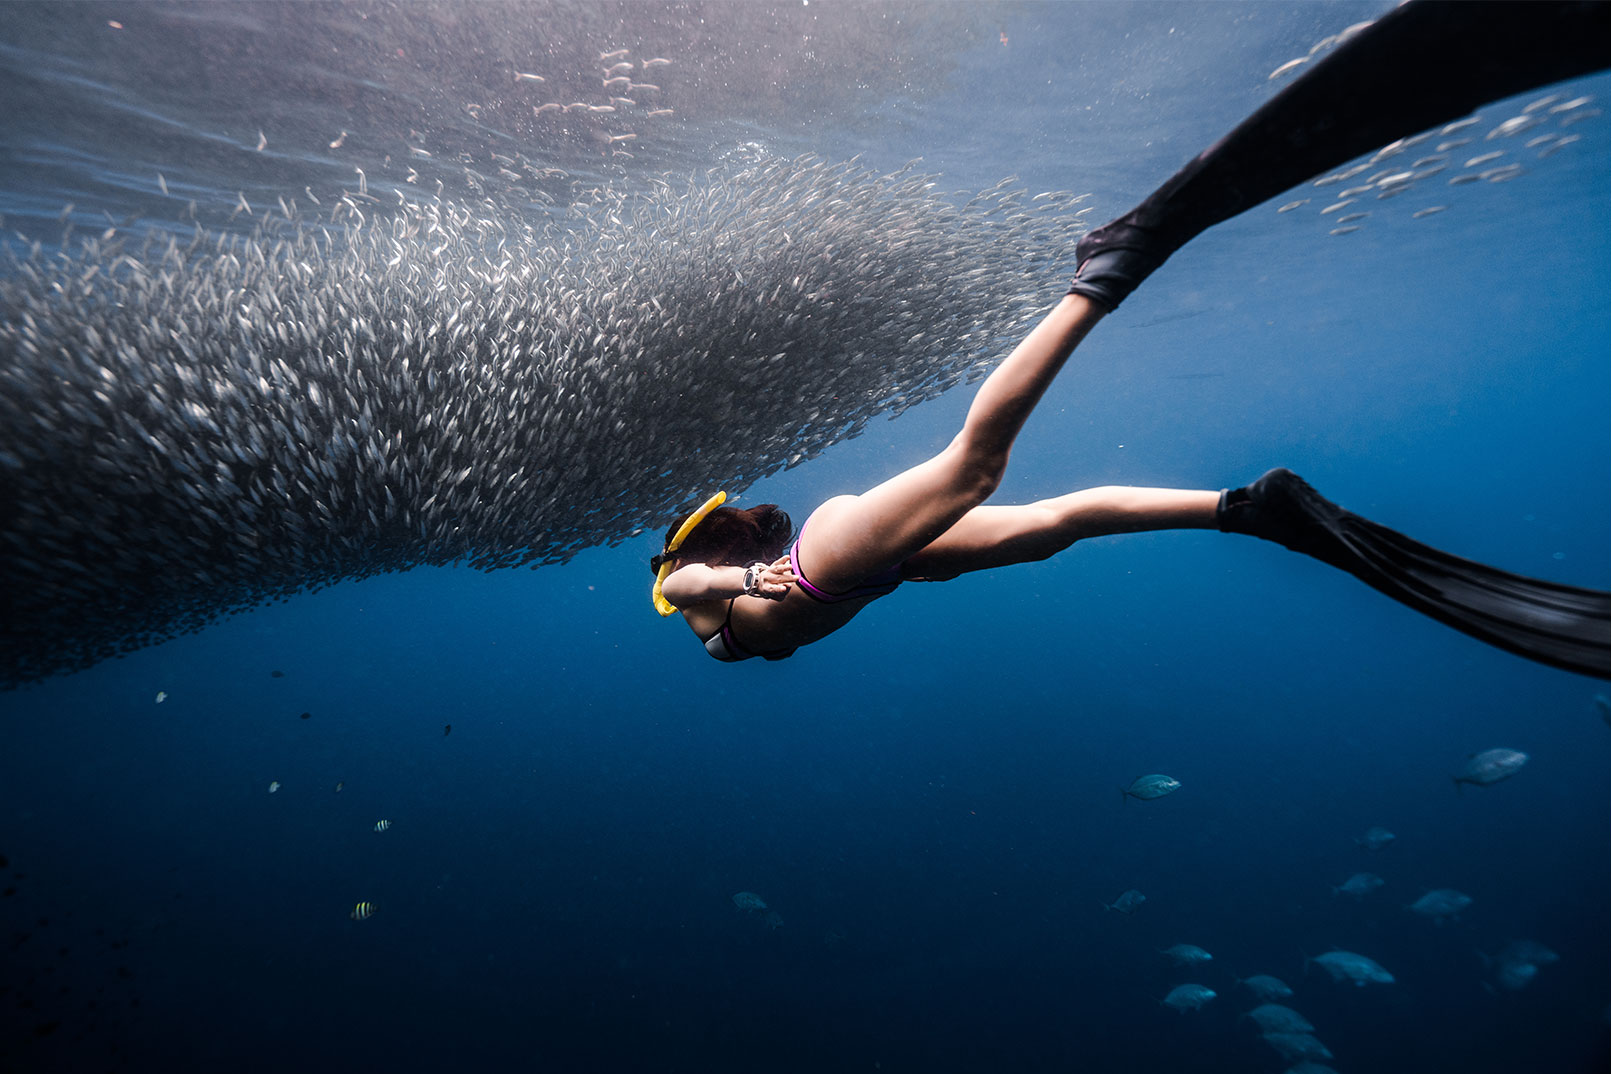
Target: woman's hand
[[775, 579]]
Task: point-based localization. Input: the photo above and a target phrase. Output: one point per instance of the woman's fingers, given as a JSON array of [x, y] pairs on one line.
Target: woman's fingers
[[777, 578]]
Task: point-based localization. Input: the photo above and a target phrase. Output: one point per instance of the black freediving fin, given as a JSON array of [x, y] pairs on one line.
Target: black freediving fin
[[1421, 64], [1560, 625]]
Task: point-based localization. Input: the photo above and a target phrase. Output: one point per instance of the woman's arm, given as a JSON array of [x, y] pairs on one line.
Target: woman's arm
[[694, 583]]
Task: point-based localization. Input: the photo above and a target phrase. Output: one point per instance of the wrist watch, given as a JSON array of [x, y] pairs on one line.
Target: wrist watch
[[752, 578]]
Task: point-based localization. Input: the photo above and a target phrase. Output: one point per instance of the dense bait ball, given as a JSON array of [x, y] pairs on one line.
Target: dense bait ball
[[191, 429]]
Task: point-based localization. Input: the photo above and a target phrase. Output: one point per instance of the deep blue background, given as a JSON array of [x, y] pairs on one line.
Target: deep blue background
[[928, 799]]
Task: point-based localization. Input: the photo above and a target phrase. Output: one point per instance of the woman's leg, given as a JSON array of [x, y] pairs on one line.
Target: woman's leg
[[853, 537], [999, 536]]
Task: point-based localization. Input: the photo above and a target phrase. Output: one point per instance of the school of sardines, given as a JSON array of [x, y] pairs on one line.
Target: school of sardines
[[192, 426]]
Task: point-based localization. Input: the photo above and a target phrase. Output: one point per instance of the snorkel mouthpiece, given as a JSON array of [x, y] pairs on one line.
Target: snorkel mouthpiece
[[663, 562]]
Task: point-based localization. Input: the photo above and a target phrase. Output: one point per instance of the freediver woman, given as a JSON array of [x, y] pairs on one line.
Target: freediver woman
[[746, 590]]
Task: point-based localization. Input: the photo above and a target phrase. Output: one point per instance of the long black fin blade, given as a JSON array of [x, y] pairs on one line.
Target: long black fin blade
[[1421, 64]]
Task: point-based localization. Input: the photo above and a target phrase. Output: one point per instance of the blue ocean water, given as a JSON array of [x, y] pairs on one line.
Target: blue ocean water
[[928, 799]]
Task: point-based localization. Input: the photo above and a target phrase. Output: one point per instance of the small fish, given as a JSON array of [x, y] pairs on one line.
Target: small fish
[[262, 141], [622, 137], [305, 716], [616, 54], [1358, 970], [1429, 211], [1188, 997], [1128, 902], [1457, 143], [1359, 885], [274, 786], [1462, 180], [618, 68], [276, 674], [1534, 106], [162, 695], [162, 184], [1558, 145], [1335, 206], [659, 112], [363, 911], [339, 785], [1286, 67], [1515, 975], [1275, 1018], [340, 138], [1441, 904], [550, 107], [1484, 158], [1568, 106], [659, 61], [1352, 216], [1290, 206], [1490, 767], [1349, 230], [1529, 951], [1338, 177], [1187, 954], [1149, 787], [640, 86], [382, 825], [749, 901], [621, 81], [1265, 987], [524, 76], [1514, 125], [447, 729], [1460, 124]]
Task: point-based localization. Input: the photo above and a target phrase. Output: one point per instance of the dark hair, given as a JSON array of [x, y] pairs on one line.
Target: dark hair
[[729, 537]]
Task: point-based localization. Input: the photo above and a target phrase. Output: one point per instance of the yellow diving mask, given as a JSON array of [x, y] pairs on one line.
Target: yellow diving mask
[[662, 605]]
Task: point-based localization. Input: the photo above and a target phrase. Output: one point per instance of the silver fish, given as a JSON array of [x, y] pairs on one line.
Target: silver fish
[[1490, 767], [1358, 970], [1275, 1018], [1149, 787], [1441, 904], [1188, 997]]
